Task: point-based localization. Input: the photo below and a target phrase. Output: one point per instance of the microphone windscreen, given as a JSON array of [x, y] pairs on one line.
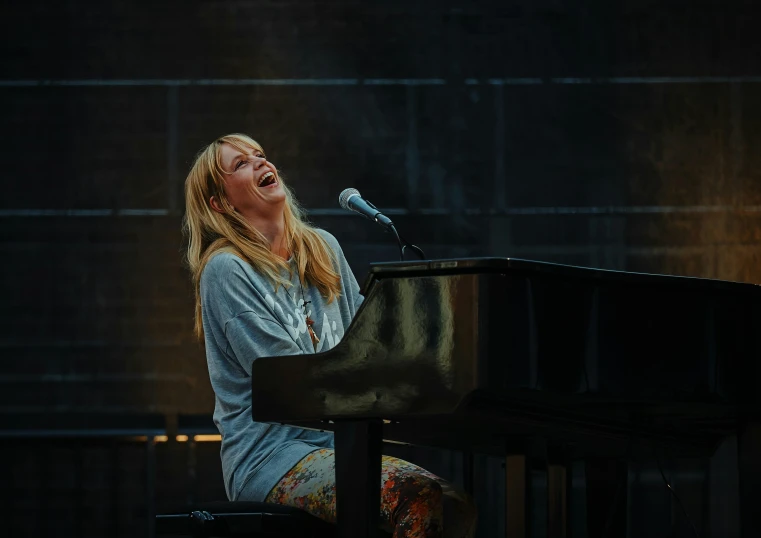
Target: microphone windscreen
[[343, 198]]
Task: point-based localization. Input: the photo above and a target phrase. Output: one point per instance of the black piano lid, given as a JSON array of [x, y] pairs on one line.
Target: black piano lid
[[382, 270], [603, 375]]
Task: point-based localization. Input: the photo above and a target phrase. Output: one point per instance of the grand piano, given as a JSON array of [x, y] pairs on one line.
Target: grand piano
[[523, 359]]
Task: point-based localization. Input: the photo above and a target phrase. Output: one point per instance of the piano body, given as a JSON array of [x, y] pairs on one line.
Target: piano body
[[510, 357]]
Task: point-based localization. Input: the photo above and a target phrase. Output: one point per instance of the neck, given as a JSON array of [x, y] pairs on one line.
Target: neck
[[274, 231]]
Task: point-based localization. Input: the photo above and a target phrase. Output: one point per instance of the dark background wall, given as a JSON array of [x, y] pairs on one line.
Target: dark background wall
[[619, 135]]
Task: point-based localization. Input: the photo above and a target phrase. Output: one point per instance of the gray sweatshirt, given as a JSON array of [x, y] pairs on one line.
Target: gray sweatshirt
[[244, 319]]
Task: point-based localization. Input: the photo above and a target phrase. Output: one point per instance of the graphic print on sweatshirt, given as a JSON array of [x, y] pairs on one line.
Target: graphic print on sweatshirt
[[328, 331]]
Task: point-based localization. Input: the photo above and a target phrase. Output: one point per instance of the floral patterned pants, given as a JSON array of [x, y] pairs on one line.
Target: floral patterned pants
[[414, 502]]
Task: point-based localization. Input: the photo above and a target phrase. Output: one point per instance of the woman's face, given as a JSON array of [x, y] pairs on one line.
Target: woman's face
[[252, 185]]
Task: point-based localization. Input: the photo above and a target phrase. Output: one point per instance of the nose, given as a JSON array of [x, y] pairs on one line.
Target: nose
[[258, 161]]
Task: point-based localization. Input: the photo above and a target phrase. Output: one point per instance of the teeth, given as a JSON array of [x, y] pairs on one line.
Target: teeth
[[264, 177]]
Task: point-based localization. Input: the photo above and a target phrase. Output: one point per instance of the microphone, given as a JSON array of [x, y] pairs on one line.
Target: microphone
[[352, 200]]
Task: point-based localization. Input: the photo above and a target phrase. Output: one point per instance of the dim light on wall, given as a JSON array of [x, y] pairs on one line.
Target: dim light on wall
[[201, 438], [207, 438]]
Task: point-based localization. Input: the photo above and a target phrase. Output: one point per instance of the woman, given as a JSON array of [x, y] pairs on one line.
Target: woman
[[266, 284]]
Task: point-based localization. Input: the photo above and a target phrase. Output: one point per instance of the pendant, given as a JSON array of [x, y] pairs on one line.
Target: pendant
[[312, 334]]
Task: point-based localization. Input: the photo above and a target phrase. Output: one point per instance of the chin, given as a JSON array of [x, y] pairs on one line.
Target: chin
[[278, 194]]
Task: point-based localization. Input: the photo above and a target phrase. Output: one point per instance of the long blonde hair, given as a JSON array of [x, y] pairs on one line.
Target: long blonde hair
[[209, 232]]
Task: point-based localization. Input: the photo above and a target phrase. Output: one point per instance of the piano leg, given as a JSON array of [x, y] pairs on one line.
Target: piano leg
[[358, 446], [558, 493], [606, 487], [516, 496], [749, 470]]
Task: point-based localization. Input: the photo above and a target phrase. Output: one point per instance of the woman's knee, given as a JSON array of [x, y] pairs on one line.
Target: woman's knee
[[413, 488], [412, 505], [446, 506]]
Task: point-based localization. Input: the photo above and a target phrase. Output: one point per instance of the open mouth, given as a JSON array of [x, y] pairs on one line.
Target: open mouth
[[267, 180]]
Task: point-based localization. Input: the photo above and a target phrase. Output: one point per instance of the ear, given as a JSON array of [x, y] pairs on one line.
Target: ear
[[215, 205]]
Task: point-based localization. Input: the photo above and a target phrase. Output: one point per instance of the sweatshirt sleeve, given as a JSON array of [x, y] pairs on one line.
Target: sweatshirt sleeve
[[241, 322], [251, 336]]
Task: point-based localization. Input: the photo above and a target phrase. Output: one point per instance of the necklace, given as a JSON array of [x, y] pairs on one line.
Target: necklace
[[307, 319]]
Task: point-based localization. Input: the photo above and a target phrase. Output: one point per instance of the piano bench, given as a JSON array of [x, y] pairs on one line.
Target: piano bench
[[242, 520]]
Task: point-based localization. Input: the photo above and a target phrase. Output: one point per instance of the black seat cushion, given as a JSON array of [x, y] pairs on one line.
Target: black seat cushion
[[242, 519], [245, 507]]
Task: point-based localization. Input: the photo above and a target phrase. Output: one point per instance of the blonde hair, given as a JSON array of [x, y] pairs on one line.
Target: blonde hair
[[210, 232]]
